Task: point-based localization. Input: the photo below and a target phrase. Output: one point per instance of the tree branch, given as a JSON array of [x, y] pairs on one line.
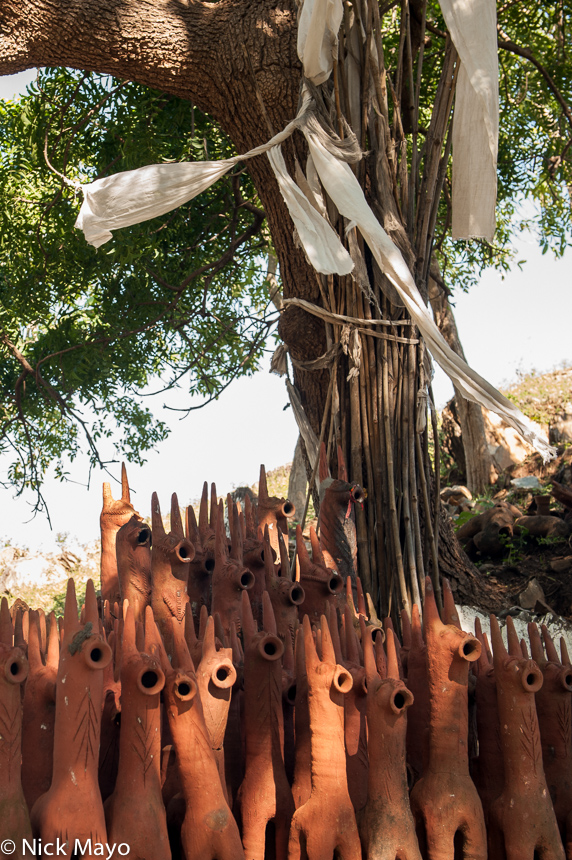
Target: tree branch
[[508, 45]]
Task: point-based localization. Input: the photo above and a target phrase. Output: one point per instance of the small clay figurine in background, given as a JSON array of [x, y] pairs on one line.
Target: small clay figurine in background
[[171, 555], [444, 801], [14, 816], [39, 704], [208, 831], [61, 813], [286, 595], [522, 822], [326, 823], [322, 587], [133, 550], [216, 677], [554, 711], [138, 786], [114, 515], [273, 512], [337, 517], [230, 577], [264, 795], [386, 824]]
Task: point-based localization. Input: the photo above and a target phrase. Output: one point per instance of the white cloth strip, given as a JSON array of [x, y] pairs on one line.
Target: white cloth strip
[[473, 28], [347, 195], [319, 22], [321, 243], [133, 196]]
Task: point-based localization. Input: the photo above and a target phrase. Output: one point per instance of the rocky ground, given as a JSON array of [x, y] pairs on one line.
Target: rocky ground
[[533, 574]]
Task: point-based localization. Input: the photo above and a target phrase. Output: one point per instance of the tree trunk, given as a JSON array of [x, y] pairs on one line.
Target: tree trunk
[[480, 472], [237, 61]]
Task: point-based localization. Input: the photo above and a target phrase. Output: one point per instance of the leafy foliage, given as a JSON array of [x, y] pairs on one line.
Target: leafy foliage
[[535, 134], [178, 299], [535, 138], [181, 297]]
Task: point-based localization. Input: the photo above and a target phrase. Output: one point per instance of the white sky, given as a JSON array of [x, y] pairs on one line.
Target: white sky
[[504, 326]]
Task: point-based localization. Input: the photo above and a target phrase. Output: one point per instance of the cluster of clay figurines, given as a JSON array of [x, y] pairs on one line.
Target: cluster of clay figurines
[[219, 702]]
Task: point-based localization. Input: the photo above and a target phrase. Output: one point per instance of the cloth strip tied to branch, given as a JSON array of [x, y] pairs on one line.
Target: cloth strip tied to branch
[[114, 201]]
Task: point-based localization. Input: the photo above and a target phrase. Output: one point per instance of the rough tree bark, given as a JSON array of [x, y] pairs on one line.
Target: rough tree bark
[[237, 61]]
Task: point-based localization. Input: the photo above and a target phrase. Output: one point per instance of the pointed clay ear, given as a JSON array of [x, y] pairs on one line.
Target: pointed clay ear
[[192, 532], [362, 609], [524, 649], [43, 630], [90, 613], [392, 664], [350, 597], [236, 541], [565, 659], [204, 510], [129, 638], [513, 640], [373, 617], [214, 506], [70, 608], [450, 614], [431, 617], [107, 497], [311, 655], [499, 650], [484, 661], [317, 555], [269, 569], [352, 649], [368, 652], [53, 644], [262, 485], [125, 494], [328, 653], [34, 649], [536, 648], [323, 469], [551, 651], [268, 618], [152, 636], [176, 521], [209, 647], [203, 619], [19, 641], [156, 520], [242, 522], [250, 517], [342, 468]]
